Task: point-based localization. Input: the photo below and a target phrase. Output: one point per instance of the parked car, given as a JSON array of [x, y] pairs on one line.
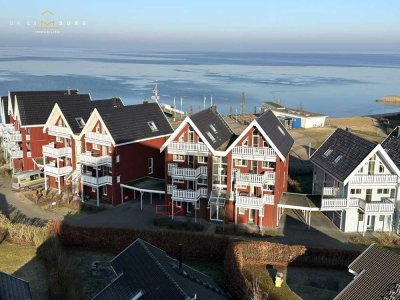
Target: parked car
[[27, 180]]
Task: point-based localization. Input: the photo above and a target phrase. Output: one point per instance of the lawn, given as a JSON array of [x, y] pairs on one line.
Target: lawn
[[21, 262], [83, 260]]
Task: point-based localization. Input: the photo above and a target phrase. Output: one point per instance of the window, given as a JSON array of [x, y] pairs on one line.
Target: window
[[93, 189], [213, 128], [28, 146], [381, 168], [245, 143], [178, 157], [202, 159], [281, 130], [80, 121], [105, 190], [328, 152], [178, 203], [191, 137], [150, 165], [261, 212], [95, 146], [265, 144], [202, 181], [241, 210], [118, 179], [181, 138], [337, 159], [240, 162], [381, 218], [355, 191], [117, 158], [255, 139], [152, 126], [28, 130], [360, 217], [98, 128], [383, 191], [212, 138], [59, 139], [268, 165], [188, 208], [197, 205]]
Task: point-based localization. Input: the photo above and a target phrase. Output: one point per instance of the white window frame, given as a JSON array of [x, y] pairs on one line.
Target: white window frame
[[202, 160], [174, 157], [93, 189], [241, 163], [117, 158], [153, 126], [150, 165], [105, 190], [242, 210], [178, 204], [191, 136], [118, 179], [261, 212], [96, 147], [257, 137]]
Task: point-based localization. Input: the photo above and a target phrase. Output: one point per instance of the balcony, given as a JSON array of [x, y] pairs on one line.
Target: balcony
[[52, 170], [386, 205], [255, 179], [252, 202], [254, 153], [189, 195], [50, 150], [186, 173], [59, 131], [93, 181], [88, 159], [15, 137], [339, 203], [186, 148], [16, 153], [374, 179], [97, 138], [336, 192]]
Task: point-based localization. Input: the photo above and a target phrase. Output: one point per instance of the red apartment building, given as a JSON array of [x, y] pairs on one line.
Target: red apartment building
[[28, 112], [61, 156], [215, 174], [121, 146]]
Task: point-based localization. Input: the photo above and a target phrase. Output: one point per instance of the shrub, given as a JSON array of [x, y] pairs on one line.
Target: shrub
[[5, 172], [28, 233], [177, 225]]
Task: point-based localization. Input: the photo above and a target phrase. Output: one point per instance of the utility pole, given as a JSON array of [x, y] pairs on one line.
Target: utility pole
[[243, 107], [204, 103], [211, 101], [155, 96]]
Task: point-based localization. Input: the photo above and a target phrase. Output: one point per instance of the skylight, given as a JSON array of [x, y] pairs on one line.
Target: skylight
[[211, 136], [337, 159], [328, 152], [213, 128], [81, 122], [152, 126]]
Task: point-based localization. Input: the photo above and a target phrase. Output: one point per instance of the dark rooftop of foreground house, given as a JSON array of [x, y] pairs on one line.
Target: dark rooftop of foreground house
[[341, 153], [40, 93], [392, 146], [147, 272], [377, 276], [14, 288]]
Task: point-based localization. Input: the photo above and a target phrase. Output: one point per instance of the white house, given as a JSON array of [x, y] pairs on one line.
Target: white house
[[358, 182]]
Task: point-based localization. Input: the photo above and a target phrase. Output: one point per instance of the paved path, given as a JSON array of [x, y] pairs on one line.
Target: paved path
[[14, 204]]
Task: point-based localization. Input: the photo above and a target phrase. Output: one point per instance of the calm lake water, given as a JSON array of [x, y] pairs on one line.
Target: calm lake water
[[333, 84]]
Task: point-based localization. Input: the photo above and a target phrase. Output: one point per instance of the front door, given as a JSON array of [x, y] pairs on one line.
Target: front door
[[190, 161], [252, 213], [254, 166], [368, 195]]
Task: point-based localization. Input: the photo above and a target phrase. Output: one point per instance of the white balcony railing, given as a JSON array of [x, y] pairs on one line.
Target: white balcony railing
[[374, 179], [88, 159], [333, 191], [187, 148], [189, 195], [247, 178], [384, 206], [49, 150], [339, 203], [254, 202], [15, 137], [92, 180], [253, 153], [59, 131], [186, 173], [57, 171], [97, 138], [170, 188], [16, 153]]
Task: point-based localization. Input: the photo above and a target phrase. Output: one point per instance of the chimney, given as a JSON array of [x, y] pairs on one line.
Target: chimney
[[180, 254], [145, 101], [348, 129]]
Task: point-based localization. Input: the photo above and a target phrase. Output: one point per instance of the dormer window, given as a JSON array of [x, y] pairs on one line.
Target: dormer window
[[152, 126], [81, 122], [212, 138], [281, 130]]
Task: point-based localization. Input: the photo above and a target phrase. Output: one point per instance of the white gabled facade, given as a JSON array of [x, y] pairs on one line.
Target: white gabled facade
[[366, 200]]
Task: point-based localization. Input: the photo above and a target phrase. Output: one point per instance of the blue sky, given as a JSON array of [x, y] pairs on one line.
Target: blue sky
[[217, 25]]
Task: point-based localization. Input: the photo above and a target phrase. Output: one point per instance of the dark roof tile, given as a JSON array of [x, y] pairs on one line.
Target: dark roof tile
[[39, 93], [14, 288], [392, 146]]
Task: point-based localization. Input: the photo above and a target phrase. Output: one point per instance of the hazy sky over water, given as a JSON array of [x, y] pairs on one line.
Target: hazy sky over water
[[219, 25]]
